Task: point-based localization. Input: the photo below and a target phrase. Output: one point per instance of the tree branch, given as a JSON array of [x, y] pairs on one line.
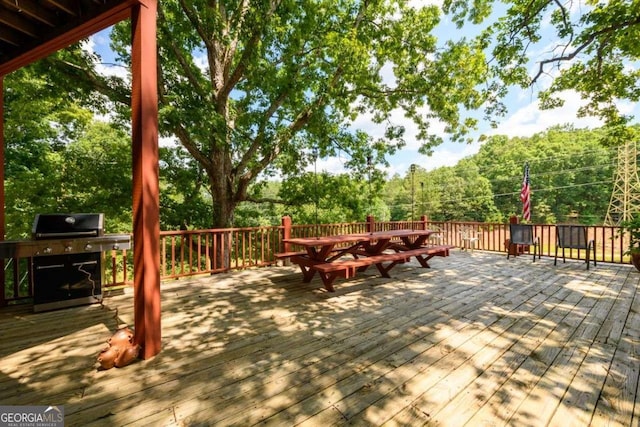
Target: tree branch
[[184, 64], [592, 38], [252, 43], [96, 81], [301, 119]]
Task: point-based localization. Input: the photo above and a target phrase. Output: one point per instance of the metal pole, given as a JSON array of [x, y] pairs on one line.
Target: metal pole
[[422, 197], [369, 163], [315, 190], [413, 190]]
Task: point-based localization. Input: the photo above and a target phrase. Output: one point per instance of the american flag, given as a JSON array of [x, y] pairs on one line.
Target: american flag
[[525, 194]]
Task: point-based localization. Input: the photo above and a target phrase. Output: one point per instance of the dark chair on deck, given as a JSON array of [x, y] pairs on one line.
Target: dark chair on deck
[[523, 234], [574, 237]]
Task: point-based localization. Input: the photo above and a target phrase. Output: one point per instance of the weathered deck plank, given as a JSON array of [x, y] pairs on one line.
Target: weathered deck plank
[[474, 340]]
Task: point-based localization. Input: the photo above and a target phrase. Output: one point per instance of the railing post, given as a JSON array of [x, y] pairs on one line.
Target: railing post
[[286, 232], [371, 223], [423, 220]]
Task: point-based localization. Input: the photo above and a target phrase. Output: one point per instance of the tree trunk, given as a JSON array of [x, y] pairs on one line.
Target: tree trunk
[[223, 207]]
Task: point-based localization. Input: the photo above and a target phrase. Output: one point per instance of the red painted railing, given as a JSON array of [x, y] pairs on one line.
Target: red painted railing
[[200, 252]]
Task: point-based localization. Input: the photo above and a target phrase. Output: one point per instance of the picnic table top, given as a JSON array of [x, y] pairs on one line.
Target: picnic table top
[[354, 237]]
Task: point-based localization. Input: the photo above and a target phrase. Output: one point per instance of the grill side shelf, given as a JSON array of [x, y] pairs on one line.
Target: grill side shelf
[[31, 248]]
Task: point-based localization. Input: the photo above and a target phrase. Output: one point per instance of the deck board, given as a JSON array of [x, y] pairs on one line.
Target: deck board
[[476, 339]]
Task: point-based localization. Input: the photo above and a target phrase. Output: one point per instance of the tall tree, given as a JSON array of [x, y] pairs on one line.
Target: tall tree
[[590, 47], [255, 88]]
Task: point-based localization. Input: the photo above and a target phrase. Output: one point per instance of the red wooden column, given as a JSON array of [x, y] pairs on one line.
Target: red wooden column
[[371, 223], [286, 232], [146, 198]]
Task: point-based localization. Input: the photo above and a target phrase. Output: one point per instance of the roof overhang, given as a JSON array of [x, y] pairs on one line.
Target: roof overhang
[[33, 29]]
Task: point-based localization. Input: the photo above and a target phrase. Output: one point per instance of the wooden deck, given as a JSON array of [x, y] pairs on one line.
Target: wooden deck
[[476, 340]]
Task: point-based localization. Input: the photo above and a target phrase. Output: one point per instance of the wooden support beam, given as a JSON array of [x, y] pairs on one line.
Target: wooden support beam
[[146, 193], [10, 36], [68, 6], [91, 26]]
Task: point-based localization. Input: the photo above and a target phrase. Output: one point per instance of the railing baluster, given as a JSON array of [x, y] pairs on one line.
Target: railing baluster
[[256, 246]]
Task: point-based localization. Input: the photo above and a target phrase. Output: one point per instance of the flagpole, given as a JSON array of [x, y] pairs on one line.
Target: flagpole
[[525, 194]]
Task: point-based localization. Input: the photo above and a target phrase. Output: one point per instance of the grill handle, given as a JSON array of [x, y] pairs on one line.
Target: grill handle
[[67, 234]]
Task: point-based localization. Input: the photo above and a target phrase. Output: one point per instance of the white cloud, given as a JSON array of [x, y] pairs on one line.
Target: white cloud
[[529, 119], [201, 61], [99, 44], [448, 154]]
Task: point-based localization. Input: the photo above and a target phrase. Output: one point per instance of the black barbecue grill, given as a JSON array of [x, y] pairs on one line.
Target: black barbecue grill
[[66, 252]]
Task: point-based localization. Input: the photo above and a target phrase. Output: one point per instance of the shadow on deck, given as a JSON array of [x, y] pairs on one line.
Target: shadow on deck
[[477, 339]]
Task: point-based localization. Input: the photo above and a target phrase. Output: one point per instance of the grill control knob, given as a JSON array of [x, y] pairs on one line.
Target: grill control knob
[[68, 248], [116, 246], [88, 247], [47, 250]]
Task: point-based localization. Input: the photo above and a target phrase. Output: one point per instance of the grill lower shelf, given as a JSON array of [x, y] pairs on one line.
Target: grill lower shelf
[[61, 281]]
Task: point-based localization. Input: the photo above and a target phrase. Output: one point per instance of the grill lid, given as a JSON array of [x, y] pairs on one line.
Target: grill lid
[[55, 226]]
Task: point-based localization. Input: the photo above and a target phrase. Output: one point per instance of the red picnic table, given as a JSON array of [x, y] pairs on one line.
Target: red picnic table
[[384, 249]]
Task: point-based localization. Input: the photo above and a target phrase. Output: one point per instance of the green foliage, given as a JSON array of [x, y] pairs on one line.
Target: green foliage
[[90, 174], [251, 92], [95, 176], [594, 50], [570, 171], [457, 193], [38, 123], [632, 228], [324, 198], [185, 201]]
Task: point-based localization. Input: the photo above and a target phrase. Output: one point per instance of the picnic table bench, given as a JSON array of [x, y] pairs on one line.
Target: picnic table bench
[[285, 255], [343, 255], [347, 267]]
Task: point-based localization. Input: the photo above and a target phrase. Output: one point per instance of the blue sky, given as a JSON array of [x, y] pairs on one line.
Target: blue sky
[[524, 118]]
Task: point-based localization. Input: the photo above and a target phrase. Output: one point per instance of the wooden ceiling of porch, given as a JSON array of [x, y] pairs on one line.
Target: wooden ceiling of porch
[[28, 24]]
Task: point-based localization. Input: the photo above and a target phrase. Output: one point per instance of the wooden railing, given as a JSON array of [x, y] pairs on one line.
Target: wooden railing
[[610, 245], [200, 252], [193, 252]]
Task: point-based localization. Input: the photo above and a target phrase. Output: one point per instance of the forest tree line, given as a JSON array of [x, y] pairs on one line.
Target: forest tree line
[[571, 171], [89, 170], [255, 91], [250, 96]]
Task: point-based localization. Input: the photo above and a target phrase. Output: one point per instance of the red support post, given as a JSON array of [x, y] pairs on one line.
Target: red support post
[[286, 232], [146, 198], [371, 223]]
